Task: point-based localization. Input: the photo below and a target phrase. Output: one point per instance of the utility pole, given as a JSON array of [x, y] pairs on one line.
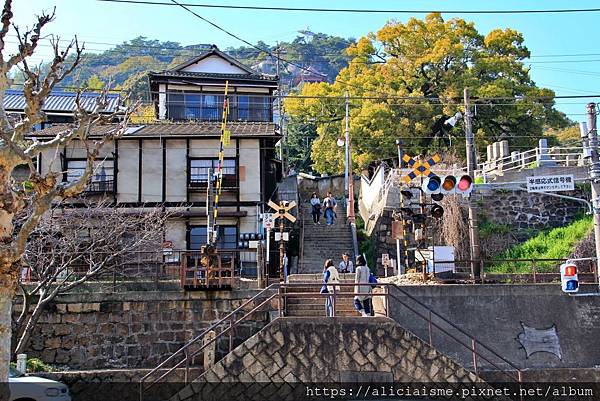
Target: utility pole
[[400, 269], [595, 177], [347, 154], [350, 175], [471, 167], [280, 108]]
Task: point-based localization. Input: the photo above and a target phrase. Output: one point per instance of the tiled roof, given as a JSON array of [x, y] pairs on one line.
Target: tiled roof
[[183, 129], [188, 74], [58, 101]]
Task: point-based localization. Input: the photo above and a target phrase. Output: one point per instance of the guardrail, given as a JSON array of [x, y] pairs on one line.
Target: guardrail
[[178, 266], [281, 292], [533, 270], [536, 157]]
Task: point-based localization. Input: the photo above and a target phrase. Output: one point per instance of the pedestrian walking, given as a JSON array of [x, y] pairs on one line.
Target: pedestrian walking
[[330, 205], [315, 204], [330, 277], [362, 302], [346, 264]]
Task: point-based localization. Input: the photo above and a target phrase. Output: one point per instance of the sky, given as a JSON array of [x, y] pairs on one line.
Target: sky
[[565, 56]]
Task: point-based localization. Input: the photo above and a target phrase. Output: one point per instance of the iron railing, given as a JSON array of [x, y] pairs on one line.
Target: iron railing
[[153, 267], [532, 270], [279, 293]]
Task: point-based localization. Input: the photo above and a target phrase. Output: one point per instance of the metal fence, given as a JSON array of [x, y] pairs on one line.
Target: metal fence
[[149, 267], [520, 270]]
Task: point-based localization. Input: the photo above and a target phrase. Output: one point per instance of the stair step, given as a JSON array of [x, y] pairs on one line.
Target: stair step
[[322, 313]]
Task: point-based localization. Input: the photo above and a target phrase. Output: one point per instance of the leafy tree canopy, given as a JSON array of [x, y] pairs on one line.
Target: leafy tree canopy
[[413, 75]]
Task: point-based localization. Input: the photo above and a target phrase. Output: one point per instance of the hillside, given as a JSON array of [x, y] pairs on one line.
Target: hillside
[[126, 64]]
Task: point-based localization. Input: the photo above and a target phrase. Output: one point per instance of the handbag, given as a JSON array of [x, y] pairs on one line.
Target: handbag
[[324, 289], [372, 280]]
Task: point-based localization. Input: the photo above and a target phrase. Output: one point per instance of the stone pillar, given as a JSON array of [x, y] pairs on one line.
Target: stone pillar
[[542, 154], [210, 350]]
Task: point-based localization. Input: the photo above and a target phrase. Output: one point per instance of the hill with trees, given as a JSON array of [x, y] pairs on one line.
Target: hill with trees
[[127, 64]]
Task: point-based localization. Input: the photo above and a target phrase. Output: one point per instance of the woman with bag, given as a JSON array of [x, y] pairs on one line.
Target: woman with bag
[[330, 276], [362, 302]]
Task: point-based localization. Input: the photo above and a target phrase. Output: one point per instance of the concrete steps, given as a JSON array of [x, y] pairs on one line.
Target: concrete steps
[[307, 306], [323, 242]]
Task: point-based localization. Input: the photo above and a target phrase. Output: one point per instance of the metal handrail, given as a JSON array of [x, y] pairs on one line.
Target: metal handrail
[[474, 346], [200, 337], [473, 341]]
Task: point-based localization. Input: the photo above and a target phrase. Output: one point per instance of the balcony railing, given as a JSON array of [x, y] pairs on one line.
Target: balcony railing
[[200, 182], [100, 186], [178, 113]]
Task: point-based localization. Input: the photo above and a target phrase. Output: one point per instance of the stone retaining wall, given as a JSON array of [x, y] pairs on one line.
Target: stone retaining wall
[[134, 329], [516, 209], [330, 351]]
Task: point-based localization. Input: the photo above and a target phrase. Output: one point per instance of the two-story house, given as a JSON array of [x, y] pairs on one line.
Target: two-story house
[[169, 161]]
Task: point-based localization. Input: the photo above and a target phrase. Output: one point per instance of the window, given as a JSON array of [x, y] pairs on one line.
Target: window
[[102, 177], [192, 106], [243, 110], [175, 106], [260, 109], [226, 237], [199, 170]]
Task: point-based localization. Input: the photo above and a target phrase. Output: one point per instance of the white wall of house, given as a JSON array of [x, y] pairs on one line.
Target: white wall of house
[[249, 170], [151, 170], [214, 64], [175, 231], [176, 170], [127, 176]]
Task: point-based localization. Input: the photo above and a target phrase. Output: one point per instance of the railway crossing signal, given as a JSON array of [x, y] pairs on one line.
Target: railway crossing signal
[[420, 168], [282, 212]]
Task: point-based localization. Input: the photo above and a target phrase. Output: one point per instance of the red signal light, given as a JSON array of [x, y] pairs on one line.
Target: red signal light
[[570, 270]]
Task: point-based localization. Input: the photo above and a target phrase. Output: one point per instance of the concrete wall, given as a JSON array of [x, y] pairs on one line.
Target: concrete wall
[[494, 314], [132, 329]]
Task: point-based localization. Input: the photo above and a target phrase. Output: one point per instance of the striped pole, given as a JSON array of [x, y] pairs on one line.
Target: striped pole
[[223, 142]]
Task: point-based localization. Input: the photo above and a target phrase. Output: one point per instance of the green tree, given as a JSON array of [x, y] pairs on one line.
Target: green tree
[[406, 79]]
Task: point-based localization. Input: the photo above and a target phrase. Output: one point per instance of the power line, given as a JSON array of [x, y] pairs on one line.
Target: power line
[[354, 10]]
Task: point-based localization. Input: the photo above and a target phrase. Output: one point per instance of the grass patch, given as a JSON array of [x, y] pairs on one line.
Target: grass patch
[[557, 243]]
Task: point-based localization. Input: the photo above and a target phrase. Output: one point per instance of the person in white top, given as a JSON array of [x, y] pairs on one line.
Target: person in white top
[[346, 264], [330, 276], [362, 302]]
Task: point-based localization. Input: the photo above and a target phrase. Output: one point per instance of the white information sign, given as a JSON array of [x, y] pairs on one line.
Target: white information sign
[[551, 183], [268, 220]]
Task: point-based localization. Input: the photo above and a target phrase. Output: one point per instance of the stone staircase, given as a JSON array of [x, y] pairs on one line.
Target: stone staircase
[[315, 307], [321, 242]]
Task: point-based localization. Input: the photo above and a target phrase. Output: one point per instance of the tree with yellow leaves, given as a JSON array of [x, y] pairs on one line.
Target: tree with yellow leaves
[[408, 78]]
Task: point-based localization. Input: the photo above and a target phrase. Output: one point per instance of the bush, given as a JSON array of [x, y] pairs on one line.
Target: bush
[[557, 243], [34, 365]]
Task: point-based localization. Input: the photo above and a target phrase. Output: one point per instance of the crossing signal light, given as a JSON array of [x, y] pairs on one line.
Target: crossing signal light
[[448, 184], [464, 186], [432, 185], [438, 187], [437, 211], [568, 278]]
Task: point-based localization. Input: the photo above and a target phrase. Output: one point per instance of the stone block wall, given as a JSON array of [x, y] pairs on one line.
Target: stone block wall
[[516, 209], [523, 210], [327, 351], [132, 330]]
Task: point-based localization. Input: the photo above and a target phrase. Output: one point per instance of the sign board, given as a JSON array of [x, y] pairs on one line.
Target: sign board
[[253, 244], [286, 236], [551, 183], [397, 229], [385, 259], [167, 247], [268, 220]]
